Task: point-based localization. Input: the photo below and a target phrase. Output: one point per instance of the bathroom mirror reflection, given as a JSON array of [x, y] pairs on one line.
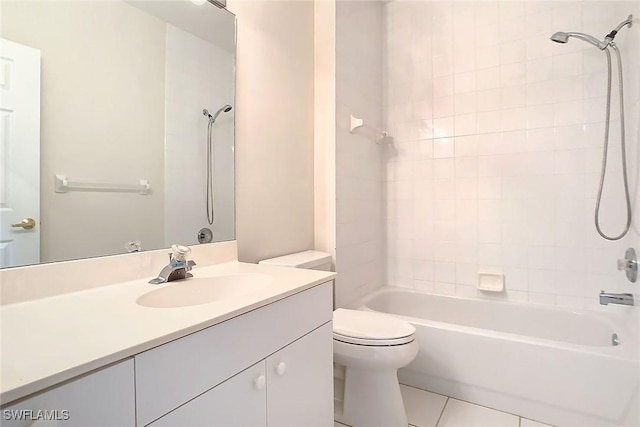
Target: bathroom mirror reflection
[[104, 133]]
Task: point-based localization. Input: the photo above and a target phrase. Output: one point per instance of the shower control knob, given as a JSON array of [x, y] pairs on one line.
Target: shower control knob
[[629, 265], [281, 368], [624, 265], [205, 235]]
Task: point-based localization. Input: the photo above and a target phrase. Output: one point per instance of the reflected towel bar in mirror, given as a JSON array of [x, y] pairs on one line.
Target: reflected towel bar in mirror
[[63, 185]]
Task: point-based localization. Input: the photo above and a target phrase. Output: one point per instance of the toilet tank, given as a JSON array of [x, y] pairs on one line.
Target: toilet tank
[[313, 260]]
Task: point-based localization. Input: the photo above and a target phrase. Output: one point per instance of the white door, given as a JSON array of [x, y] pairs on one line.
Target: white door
[[19, 154]]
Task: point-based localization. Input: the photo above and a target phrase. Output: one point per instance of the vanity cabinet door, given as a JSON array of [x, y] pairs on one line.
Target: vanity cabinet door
[[240, 401], [300, 381], [100, 398]]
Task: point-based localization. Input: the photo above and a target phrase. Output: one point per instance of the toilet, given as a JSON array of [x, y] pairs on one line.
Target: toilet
[[372, 347]]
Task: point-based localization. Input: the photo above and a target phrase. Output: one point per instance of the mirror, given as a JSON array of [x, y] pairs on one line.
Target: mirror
[[103, 137]]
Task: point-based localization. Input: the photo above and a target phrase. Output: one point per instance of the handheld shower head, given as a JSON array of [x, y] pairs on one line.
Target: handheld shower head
[[562, 37], [224, 109]]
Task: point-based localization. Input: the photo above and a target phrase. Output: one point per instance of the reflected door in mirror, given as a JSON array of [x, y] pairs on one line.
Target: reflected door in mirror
[[19, 154]]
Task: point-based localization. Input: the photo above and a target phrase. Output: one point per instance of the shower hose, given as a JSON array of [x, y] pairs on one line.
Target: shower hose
[[606, 147], [210, 193]]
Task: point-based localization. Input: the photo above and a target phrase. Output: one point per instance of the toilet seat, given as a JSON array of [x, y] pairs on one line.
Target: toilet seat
[[366, 328], [373, 343]]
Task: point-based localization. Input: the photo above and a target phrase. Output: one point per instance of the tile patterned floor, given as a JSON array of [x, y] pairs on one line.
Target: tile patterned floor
[[425, 409]]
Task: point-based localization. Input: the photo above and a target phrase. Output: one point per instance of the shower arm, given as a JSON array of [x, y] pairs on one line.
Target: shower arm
[[628, 22]]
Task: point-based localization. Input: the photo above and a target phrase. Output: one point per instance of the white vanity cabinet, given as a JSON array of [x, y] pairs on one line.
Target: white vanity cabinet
[[271, 366], [101, 398], [292, 387]]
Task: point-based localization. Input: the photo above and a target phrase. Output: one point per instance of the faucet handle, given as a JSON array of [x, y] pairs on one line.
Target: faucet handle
[[179, 252], [133, 246]]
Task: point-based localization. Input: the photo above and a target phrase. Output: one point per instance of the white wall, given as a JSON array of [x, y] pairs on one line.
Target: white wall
[[499, 143], [324, 142], [360, 240], [199, 75], [274, 128], [102, 120], [631, 61]]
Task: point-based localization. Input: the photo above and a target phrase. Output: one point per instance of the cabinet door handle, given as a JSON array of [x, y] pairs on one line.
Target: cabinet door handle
[[281, 368], [260, 382]]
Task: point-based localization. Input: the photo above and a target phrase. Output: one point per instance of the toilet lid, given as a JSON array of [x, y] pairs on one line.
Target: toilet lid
[[369, 328]]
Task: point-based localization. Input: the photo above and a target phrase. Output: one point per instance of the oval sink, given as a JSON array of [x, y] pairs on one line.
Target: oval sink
[[204, 290]]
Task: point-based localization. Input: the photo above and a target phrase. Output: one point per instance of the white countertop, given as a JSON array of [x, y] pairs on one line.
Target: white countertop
[[46, 341]]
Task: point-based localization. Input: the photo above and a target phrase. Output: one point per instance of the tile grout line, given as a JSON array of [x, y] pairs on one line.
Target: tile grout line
[[488, 407], [448, 398], [442, 412]]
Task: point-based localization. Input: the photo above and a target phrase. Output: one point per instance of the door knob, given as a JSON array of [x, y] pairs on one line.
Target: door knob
[[27, 224]]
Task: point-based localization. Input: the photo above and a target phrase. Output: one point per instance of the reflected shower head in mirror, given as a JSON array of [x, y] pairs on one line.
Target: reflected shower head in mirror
[[562, 37], [224, 109], [210, 160]]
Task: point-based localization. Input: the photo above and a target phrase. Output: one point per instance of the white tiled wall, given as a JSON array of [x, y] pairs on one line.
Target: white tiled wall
[[499, 136], [360, 259], [195, 80]]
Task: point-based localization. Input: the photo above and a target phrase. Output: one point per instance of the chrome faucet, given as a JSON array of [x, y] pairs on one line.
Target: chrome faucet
[[607, 298], [178, 267]]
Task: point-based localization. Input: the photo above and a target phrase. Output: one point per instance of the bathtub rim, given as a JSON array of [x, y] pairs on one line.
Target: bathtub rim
[[619, 323]]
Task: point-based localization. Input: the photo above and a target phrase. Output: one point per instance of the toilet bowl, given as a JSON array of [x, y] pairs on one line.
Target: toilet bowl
[[371, 347]]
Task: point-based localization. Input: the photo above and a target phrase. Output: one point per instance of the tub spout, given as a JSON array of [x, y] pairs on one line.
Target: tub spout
[[608, 298]]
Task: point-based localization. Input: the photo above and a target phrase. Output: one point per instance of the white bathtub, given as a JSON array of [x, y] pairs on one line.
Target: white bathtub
[[551, 365]]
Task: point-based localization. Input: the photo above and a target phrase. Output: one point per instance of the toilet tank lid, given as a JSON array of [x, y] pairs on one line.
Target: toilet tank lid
[[306, 259]]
